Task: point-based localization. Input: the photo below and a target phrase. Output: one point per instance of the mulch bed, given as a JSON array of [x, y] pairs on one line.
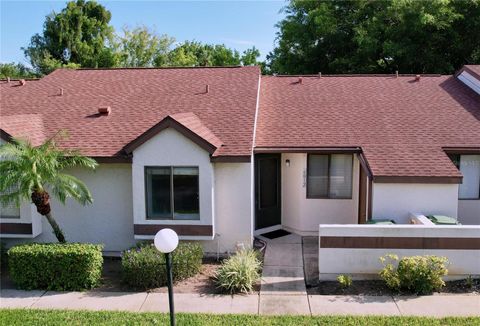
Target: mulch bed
[[202, 283], [377, 287]]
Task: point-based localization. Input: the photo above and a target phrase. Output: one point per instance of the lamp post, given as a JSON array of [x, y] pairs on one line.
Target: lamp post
[[166, 241]]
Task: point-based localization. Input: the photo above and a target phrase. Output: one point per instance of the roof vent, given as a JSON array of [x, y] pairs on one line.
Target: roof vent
[[22, 82], [8, 79], [319, 75], [417, 78], [396, 73], [60, 93], [300, 80], [207, 89], [104, 110]]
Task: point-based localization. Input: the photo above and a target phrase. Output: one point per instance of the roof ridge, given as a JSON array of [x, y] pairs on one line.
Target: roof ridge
[[358, 75], [170, 67]]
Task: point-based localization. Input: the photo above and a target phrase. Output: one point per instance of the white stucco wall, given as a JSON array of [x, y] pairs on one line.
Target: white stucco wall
[[170, 148], [233, 207], [108, 220], [364, 263], [303, 215], [396, 200], [469, 212]]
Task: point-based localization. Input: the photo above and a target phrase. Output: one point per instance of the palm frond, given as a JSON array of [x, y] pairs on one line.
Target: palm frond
[[66, 186], [26, 168]]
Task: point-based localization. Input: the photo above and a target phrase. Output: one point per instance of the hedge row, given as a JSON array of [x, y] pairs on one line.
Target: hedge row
[[144, 266], [52, 266]]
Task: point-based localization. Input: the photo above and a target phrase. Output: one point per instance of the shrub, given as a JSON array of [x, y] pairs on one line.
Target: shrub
[[345, 281], [55, 266], [144, 266], [239, 272], [419, 274]]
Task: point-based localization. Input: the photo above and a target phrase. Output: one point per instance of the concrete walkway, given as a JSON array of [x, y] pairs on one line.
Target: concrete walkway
[[283, 287], [434, 305]]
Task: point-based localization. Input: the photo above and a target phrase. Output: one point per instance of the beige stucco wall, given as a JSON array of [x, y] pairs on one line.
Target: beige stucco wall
[[469, 212], [303, 215]]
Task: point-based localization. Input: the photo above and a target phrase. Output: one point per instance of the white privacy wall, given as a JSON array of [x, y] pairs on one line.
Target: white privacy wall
[[170, 148], [303, 215], [233, 207], [107, 221], [364, 263], [397, 200]]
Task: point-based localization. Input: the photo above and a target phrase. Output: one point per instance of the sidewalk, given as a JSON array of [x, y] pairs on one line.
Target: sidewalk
[[434, 305]]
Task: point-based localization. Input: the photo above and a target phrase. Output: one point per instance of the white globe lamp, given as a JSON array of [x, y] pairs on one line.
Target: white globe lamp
[[166, 240]]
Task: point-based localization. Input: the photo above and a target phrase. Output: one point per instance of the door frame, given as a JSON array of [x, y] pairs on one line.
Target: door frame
[[257, 190]]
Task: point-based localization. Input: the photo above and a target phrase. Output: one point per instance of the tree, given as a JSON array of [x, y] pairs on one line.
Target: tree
[[79, 34], [362, 36], [250, 56], [16, 70], [30, 172], [192, 53], [142, 47]]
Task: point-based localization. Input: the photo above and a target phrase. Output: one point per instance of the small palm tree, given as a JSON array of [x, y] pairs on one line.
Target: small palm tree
[[27, 171]]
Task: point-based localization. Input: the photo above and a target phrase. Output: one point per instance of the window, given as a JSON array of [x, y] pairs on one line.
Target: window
[[469, 166], [9, 211], [329, 176], [172, 193]]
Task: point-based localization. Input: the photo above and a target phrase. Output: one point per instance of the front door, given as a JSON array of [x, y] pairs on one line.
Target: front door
[[267, 190]]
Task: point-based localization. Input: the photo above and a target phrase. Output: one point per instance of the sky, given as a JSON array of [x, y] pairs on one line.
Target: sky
[[237, 24]]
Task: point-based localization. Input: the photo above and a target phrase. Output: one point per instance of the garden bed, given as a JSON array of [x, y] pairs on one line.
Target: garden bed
[[378, 287], [111, 281]]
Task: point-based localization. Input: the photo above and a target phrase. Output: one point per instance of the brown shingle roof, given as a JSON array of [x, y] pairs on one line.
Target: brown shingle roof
[[400, 124], [139, 99]]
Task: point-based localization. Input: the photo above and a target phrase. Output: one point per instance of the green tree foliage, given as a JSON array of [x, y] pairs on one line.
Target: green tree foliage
[[16, 70], [141, 47], [362, 36], [31, 173], [192, 53], [79, 34]]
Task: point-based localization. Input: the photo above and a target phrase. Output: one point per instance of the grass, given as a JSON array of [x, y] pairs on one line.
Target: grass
[[69, 317]]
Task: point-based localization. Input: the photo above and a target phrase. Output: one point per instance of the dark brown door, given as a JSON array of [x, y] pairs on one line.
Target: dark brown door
[[267, 190]]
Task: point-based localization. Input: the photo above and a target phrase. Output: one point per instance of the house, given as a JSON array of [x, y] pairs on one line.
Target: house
[[221, 154]]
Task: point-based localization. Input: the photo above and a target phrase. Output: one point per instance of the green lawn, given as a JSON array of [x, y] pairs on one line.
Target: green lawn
[[66, 317]]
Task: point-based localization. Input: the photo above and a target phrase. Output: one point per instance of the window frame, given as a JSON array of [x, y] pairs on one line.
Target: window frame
[[172, 195], [309, 196], [456, 158]]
